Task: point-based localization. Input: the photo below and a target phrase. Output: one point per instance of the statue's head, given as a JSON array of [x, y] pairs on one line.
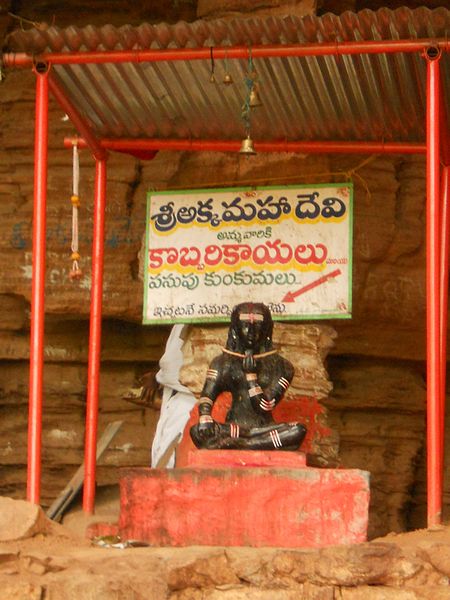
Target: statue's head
[[250, 328]]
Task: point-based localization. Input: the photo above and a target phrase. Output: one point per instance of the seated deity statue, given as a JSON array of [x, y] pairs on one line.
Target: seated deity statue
[[257, 378]]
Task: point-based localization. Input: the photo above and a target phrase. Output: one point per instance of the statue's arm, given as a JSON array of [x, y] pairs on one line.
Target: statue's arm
[[267, 399], [212, 388]]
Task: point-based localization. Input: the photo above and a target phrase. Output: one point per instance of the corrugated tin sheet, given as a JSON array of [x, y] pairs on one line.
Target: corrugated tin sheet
[[366, 97]]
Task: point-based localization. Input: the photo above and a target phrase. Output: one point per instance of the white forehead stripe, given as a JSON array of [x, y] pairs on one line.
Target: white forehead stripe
[[251, 317]]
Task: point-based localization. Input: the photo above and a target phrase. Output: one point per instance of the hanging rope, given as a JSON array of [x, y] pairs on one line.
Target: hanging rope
[[75, 272], [249, 81], [212, 77]]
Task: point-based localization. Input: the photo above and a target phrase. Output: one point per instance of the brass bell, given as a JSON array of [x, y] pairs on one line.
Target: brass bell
[[212, 78], [227, 79], [247, 146], [253, 99]]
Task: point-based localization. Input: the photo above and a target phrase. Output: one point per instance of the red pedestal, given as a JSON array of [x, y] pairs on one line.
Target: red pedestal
[[245, 458], [275, 502]]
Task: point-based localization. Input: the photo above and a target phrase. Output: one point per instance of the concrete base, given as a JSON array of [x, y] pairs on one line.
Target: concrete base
[[275, 502]]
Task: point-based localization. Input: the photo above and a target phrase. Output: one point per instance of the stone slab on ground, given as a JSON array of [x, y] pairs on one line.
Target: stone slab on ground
[[20, 519]]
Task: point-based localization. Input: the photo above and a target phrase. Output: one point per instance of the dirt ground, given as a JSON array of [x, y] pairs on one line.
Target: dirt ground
[[42, 560]]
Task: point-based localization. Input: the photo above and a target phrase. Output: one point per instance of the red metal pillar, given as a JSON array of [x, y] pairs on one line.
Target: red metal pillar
[[94, 337], [445, 234], [445, 226], [434, 417], [37, 290]]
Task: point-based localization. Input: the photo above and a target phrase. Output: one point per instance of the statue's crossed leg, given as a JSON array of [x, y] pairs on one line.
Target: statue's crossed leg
[[230, 436]]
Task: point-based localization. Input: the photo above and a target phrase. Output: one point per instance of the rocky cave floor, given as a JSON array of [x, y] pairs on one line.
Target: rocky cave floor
[[43, 560]]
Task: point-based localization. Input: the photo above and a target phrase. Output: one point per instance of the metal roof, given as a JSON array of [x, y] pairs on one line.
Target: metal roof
[[366, 97]]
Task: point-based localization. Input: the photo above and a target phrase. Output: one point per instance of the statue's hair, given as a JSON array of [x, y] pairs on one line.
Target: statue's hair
[[233, 341]]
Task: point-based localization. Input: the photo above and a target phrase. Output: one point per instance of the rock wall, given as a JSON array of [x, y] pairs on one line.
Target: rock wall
[[376, 366]]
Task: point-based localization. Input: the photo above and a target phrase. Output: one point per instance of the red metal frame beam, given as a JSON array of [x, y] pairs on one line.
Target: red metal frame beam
[[130, 145], [37, 290], [434, 403], [94, 337], [21, 59], [78, 121]]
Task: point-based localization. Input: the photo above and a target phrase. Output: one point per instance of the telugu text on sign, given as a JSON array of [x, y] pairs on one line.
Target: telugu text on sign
[[289, 247]]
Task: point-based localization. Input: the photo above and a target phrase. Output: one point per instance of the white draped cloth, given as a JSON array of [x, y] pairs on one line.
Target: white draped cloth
[[177, 400]]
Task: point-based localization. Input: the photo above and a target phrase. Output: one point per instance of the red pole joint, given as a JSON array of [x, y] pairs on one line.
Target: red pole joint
[[433, 286], [432, 52], [94, 338], [37, 287]]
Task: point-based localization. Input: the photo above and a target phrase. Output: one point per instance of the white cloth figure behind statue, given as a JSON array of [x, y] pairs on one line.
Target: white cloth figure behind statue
[[177, 400]]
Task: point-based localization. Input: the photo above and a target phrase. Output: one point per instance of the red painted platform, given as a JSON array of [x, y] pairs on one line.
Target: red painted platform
[[245, 458], [279, 502]]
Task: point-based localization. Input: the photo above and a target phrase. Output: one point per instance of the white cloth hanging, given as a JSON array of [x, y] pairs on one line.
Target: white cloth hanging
[[75, 272], [177, 400]]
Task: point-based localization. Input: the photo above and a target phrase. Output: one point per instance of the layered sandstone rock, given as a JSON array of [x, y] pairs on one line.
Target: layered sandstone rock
[[377, 406]]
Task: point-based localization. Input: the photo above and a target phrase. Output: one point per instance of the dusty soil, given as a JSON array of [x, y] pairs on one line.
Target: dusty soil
[[43, 560]]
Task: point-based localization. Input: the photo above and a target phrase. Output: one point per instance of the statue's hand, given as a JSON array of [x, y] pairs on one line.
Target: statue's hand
[[206, 427], [267, 405], [248, 362]]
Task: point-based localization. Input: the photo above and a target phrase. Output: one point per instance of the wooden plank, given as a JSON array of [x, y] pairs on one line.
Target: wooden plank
[[64, 499]]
